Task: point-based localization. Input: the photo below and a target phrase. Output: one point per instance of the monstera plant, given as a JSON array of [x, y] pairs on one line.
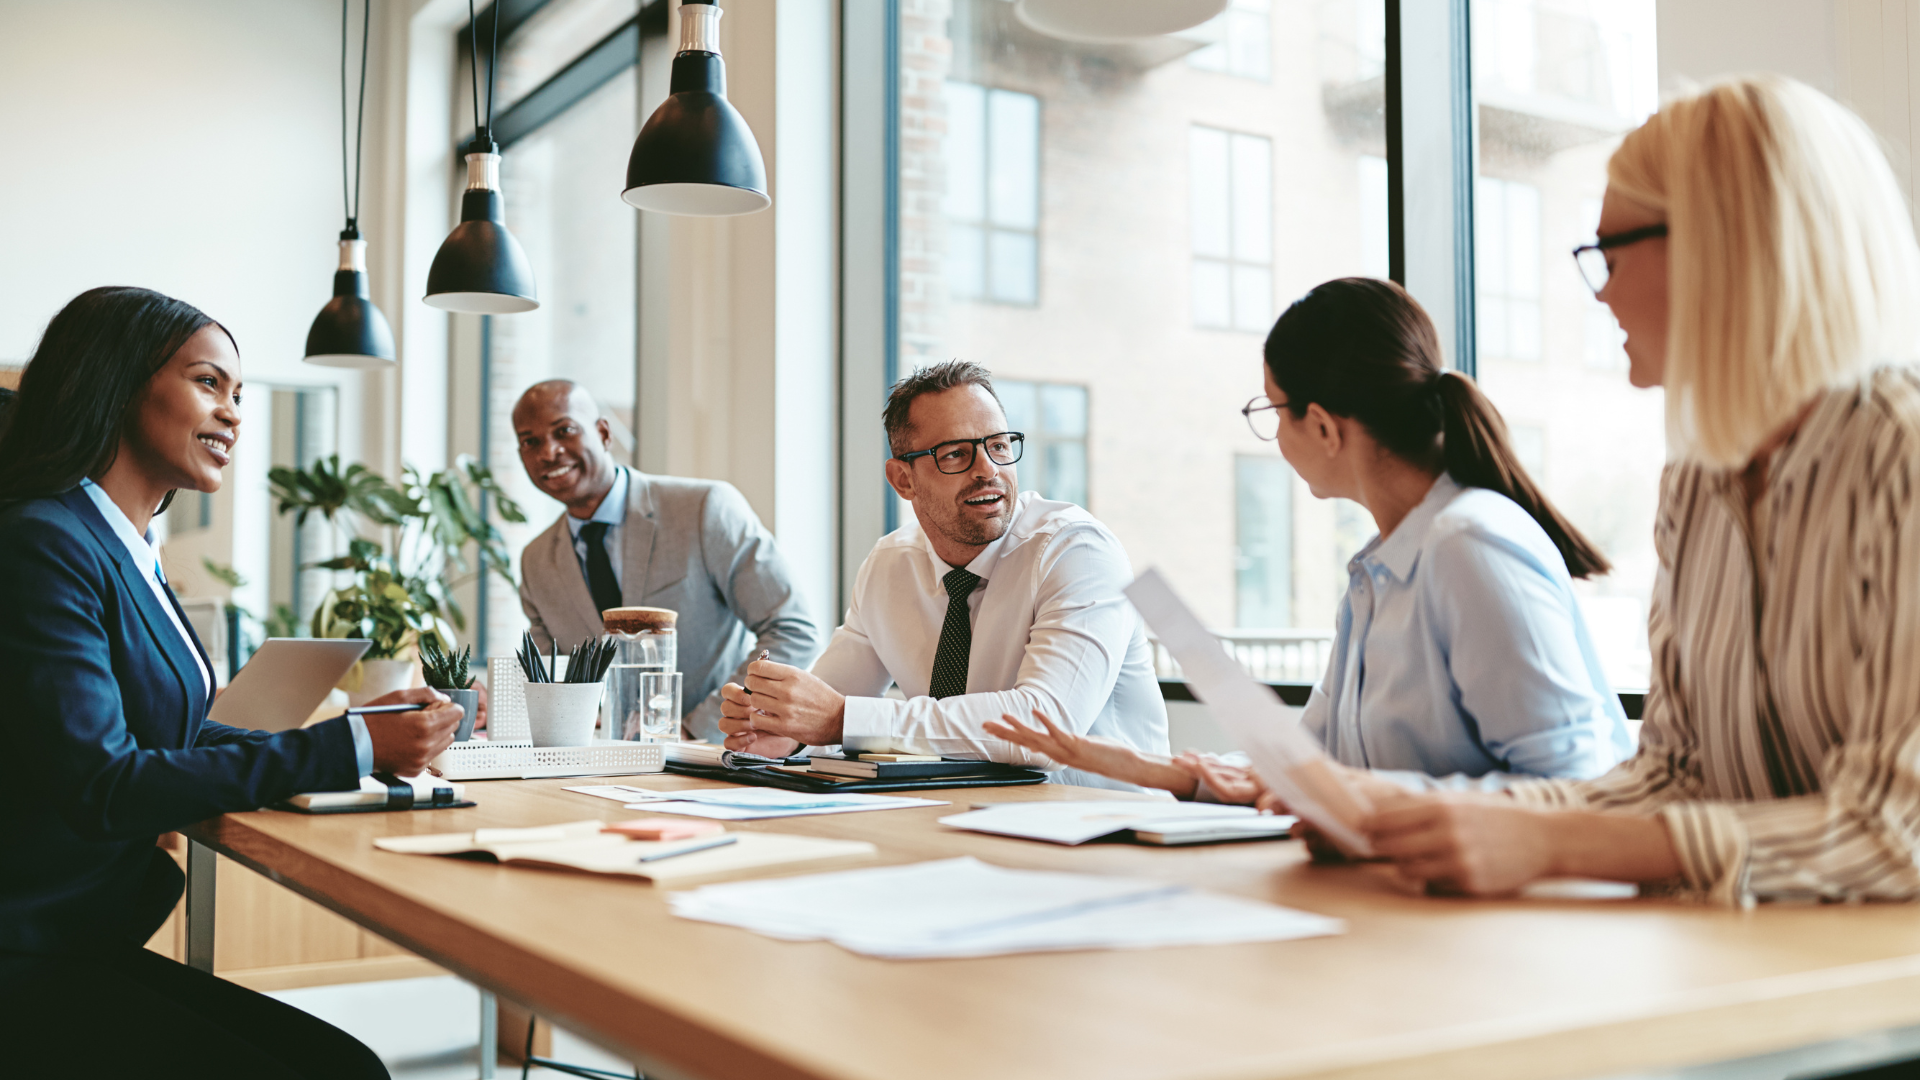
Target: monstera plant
[[394, 598]]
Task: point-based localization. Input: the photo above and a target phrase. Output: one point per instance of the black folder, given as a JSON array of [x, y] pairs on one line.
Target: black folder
[[990, 774]]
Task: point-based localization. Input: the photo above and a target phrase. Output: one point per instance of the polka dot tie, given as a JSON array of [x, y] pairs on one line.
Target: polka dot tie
[[956, 637]]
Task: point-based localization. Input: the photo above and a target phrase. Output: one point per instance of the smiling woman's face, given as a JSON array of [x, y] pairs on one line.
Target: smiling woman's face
[[187, 419]]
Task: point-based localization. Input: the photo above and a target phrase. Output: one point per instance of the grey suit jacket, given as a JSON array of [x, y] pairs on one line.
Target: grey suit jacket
[[694, 546]]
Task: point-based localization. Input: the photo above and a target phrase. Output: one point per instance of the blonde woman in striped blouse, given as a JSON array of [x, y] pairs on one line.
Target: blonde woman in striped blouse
[[1762, 262]]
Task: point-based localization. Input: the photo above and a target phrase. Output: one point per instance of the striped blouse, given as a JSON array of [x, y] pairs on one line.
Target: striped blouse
[[1782, 736]]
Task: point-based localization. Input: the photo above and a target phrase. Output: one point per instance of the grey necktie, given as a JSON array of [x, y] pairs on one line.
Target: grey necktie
[[956, 637]]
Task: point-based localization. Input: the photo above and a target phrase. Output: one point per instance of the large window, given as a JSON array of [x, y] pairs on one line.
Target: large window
[[1054, 419], [1242, 41], [1558, 82], [1263, 541], [992, 149], [1507, 248], [1184, 189], [1230, 185]]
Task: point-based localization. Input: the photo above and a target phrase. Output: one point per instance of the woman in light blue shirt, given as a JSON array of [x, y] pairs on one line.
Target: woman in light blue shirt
[[1459, 650]]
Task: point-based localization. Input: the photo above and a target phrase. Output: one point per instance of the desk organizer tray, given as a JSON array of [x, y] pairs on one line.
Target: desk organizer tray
[[509, 753], [521, 760]]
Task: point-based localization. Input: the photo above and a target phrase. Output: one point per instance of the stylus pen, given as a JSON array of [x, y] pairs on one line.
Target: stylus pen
[[722, 842]]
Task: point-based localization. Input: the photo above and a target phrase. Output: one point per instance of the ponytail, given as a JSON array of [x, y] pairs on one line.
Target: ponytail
[[1476, 452], [1365, 349]]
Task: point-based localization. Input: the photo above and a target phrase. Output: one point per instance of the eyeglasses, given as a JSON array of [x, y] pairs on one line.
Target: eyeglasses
[[1592, 258], [957, 456], [1263, 417]]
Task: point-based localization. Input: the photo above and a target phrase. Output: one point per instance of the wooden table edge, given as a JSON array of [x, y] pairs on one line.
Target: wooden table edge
[[684, 1046]]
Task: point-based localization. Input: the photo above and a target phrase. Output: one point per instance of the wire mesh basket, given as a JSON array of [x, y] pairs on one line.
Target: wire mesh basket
[[509, 753]]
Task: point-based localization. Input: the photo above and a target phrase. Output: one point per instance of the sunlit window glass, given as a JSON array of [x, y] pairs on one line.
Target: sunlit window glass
[[1558, 82]]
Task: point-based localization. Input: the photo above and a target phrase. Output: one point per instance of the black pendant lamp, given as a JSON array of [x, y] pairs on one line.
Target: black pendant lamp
[[350, 331], [697, 156], [480, 268]]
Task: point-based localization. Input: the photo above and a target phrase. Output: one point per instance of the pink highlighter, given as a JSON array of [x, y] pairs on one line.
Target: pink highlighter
[[664, 828]]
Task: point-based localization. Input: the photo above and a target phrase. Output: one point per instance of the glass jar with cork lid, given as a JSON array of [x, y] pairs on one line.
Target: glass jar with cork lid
[[642, 702]]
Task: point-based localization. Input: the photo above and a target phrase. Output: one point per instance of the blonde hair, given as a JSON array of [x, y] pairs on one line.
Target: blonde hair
[[1792, 266]]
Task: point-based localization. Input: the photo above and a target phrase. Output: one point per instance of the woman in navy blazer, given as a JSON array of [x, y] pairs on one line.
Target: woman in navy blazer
[[104, 691]]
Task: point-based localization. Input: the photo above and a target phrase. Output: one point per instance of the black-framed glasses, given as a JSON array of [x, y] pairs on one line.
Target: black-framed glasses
[[1592, 258], [956, 456], [1263, 417]]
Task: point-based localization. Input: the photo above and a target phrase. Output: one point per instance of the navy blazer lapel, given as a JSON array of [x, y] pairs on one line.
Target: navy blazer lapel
[[134, 583]]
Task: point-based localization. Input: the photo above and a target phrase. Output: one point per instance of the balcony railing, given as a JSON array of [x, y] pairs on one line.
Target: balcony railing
[[1274, 656]]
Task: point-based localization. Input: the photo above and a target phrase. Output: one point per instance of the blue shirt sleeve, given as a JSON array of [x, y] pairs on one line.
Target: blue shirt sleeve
[[362, 745]]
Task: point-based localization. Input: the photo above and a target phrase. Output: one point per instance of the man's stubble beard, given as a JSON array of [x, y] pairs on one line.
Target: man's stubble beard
[[982, 533]]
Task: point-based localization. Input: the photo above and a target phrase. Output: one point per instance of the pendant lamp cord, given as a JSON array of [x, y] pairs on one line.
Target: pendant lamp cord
[[483, 133], [350, 191]]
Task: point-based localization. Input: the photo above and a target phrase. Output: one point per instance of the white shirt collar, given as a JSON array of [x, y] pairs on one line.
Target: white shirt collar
[[1397, 551], [140, 548], [612, 509]]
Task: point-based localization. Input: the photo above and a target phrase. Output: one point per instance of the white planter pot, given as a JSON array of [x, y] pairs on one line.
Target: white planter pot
[[563, 714], [379, 677]]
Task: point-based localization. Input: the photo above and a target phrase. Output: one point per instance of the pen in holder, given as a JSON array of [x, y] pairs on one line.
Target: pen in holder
[[564, 713]]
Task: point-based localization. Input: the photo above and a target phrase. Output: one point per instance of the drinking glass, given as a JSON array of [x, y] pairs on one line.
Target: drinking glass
[[659, 706]]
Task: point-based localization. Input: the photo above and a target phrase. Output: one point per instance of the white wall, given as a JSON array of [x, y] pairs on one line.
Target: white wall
[[1700, 39], [1860, 51], [190, 147]]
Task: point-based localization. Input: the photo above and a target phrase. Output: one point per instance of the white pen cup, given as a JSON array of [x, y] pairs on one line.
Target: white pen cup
[[563, 714]]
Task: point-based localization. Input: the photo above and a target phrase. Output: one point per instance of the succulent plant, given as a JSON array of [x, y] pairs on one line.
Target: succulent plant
[[443, 670]]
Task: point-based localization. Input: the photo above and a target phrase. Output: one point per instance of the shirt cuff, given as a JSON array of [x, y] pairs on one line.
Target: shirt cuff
[[362, 744], [867, 726], [1714, 851]]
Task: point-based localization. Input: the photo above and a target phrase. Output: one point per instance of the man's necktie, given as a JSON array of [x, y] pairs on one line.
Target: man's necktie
[[956, 637], [600, 580]]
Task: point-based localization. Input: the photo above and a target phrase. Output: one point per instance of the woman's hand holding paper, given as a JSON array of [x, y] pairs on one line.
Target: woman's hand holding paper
[[1468, 844]]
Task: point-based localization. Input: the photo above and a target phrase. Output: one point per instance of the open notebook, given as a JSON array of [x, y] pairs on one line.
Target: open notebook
[[581, 845]]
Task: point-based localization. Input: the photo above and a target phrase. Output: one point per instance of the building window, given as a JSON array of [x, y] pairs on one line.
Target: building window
[[1054, 418], [1507, 250], [1232, 208], [993, 194], [1242, 39], [1263, 542]]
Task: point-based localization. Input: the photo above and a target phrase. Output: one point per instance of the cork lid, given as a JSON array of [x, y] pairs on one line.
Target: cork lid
[[638, 620]]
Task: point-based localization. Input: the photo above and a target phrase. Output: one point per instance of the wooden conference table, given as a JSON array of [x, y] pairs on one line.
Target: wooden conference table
[[1418, 987]]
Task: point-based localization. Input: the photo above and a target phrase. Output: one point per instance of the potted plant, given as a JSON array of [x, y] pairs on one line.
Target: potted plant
[[448, 674], [395, 600]]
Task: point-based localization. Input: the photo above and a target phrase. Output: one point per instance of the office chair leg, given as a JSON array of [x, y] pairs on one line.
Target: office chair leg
[[528, 1061]]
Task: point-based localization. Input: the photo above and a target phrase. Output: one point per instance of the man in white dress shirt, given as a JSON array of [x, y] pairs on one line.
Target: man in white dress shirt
[[991, 602]]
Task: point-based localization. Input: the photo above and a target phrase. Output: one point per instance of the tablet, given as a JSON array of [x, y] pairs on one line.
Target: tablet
[[285, 681]]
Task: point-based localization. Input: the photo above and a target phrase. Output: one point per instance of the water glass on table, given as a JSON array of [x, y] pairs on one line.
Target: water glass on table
[[659, 711]]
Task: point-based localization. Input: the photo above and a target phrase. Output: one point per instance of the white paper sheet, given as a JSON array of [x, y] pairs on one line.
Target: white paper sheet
[[1078, 822], [1294, 766], [964, 907], [746, 804]]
